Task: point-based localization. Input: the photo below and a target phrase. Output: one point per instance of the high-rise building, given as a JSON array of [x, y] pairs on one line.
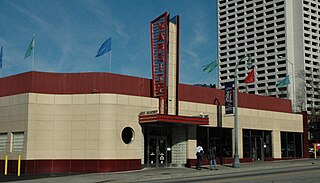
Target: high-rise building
[[283, 39]]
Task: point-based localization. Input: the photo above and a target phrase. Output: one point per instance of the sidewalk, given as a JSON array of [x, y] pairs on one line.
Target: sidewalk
[[149, 174]]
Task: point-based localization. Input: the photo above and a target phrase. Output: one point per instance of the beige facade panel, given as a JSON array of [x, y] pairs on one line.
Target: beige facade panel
[[71, 129], [78, 126]]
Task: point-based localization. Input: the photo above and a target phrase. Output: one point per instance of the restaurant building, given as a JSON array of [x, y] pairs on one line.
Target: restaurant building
[[104, 122], [101, 122]]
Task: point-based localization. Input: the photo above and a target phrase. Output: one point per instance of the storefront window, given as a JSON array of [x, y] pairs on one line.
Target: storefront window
[[298, 142], [291, 144], [220, 137], [246, 144], [267, 143], [256, 144]]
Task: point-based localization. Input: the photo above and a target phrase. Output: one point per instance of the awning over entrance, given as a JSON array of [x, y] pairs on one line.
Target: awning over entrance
[[160, 118]]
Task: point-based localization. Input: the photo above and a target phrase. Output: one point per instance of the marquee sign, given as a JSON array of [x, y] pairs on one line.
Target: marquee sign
[[159, 43], [159, 47]]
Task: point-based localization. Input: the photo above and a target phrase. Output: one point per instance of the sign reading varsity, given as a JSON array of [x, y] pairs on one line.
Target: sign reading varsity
[[159, 48], [159, 43]]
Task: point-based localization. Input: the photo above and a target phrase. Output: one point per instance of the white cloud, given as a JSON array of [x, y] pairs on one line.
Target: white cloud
[[193, 56], [103, 15], [31, 15], [199, 29]]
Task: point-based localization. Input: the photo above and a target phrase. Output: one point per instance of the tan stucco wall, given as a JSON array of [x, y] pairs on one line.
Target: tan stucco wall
[[13, 118], [89, 126], [76, 126]]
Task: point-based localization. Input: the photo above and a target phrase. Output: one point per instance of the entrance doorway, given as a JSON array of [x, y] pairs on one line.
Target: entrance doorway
[[257, 148], [157, 145], [157, 151], [257, 144]]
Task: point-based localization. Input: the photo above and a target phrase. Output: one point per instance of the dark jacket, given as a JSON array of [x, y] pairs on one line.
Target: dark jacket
[[212, 153]]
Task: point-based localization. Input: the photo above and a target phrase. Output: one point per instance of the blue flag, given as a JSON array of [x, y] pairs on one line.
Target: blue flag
[[104, 48], [283, 82], [30, 48], [1, 55], [209, 67]]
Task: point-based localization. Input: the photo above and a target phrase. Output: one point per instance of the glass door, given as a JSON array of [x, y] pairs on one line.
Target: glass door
[[157, 151], [257, 148]]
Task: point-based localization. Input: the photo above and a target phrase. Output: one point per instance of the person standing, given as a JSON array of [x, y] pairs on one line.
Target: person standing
[[212, 157], [199, 154]]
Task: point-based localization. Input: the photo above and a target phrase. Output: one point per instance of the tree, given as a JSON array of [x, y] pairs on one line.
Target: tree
[[300, 99], [307, 98], [308, 92]]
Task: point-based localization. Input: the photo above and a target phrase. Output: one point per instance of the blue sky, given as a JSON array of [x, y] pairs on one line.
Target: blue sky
[[68, 34]]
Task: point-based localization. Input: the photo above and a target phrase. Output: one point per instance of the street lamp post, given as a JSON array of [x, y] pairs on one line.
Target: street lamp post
[[293, 81], [219, 120], [236, 161]]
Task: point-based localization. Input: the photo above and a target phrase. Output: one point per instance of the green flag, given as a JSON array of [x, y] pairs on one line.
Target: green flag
[[283, 82], [209, 67], [31, 46]]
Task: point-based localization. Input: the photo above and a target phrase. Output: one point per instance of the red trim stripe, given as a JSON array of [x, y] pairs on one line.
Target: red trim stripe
[[87, 83]]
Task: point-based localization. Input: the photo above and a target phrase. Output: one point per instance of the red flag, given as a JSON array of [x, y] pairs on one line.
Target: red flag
[[250, 77]]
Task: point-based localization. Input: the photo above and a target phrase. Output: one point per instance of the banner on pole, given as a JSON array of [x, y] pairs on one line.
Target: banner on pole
[[228, 95]]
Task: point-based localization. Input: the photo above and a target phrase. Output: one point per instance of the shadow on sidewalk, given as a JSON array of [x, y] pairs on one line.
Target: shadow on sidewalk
[[11, 177]]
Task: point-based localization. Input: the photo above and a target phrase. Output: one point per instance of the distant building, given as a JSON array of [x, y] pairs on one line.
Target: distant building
[[206, 85], [282, 36]]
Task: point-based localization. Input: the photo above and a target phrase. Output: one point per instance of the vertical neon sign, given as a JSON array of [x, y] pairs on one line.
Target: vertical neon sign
[[159, 47]]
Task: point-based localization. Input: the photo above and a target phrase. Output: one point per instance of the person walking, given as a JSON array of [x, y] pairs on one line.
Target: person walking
[[199, 154], [212, 157]]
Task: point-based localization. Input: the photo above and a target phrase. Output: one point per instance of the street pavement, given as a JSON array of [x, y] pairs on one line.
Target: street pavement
[[159, 174]]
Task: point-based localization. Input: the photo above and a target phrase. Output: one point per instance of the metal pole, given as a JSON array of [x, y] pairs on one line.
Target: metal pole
[[293, 90], [293, 82], [236, 161], [110, 63], [219, 121], [34, 40], [220, 129], [220, 152], [208, 138]]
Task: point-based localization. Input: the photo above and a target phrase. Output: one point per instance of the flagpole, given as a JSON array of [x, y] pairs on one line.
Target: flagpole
[[34, 42], [110, 62], [105, 48], [1, 59]]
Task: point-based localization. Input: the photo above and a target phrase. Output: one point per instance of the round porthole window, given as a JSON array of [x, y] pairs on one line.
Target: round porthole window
[[127, 135]]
